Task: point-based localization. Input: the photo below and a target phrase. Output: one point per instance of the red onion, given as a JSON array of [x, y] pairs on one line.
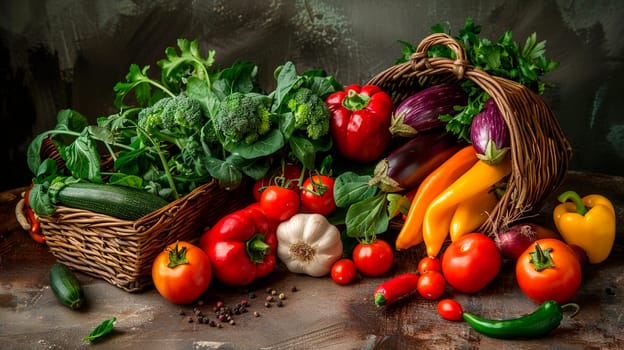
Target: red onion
[[513, 242], [489, 134]]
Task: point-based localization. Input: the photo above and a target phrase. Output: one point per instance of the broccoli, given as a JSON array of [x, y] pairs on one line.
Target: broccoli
[[243, 117], [172, 118], [311, 113]]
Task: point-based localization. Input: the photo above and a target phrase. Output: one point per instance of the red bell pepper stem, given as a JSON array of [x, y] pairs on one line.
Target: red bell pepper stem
[[354, 101], [257, 249], [576, 199]]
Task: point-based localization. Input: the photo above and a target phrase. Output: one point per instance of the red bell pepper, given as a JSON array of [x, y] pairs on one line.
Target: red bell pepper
[[360, 121], [241, 246], [35, 225]]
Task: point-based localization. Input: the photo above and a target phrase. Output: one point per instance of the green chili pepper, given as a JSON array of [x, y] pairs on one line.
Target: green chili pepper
[[536, 324]]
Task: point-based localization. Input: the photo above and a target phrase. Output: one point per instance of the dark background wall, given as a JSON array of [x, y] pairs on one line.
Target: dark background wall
[[58, 54]]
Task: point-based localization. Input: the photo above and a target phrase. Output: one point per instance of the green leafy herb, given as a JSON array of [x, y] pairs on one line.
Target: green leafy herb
[[101, 330], [182, 130], [504, 57], [368, 217]]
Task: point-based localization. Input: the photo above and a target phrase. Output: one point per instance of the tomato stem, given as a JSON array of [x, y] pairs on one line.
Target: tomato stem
[[541, 259], [177, 256]]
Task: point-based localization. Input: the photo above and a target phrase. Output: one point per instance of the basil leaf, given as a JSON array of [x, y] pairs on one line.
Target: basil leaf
[[303, 150], [82, 159], [101, 330], [286, 76], [39, 200], [225, 172], [350, 188], [267, 145], [367, 217], [397, 204]]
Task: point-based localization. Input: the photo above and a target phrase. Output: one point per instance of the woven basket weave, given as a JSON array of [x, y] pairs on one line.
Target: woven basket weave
[[540, 151], [122, 251]]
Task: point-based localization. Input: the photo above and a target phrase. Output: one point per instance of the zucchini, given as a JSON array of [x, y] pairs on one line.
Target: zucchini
[[66, 287], [117, 201]]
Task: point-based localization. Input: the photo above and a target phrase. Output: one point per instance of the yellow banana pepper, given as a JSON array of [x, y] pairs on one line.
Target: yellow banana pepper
[[592, 229], [472, 213], [437, 219]]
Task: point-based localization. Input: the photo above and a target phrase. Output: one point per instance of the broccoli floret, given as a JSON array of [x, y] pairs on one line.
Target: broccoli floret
[[243, 117], [183, 114], [150, 117], [311, 113], [172, 118]]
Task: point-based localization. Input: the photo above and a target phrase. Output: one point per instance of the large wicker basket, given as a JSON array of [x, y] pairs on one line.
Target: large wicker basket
[[540, 151], [121, 251]]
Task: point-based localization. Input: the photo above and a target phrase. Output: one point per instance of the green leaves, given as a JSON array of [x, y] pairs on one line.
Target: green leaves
[[101, 330], [503, 57], [189, 62]]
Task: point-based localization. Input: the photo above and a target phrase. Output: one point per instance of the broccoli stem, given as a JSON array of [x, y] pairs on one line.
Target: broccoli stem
[[164, 163]]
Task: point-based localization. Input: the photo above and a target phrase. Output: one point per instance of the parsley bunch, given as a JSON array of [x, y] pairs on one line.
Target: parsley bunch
[[504, 58]]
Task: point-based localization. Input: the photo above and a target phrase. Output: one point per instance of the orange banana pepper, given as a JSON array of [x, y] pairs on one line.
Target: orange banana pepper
[[438, 180]]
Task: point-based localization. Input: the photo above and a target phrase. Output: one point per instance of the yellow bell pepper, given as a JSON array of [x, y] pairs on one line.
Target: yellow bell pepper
[[592, 229]]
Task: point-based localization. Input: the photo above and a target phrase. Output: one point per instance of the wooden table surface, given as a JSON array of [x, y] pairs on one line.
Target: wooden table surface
[[318, 315]]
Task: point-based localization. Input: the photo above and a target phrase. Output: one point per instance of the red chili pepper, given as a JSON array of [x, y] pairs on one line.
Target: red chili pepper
[[360, 121], [35, 225], [395, 288], [241, 246]]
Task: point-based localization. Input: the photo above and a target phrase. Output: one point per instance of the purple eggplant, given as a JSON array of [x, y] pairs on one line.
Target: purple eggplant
[[489, 134], [421, 111], [409, 164]]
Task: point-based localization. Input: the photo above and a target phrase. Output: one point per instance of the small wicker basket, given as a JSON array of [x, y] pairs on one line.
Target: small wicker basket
[[122, 251], [540, 151]]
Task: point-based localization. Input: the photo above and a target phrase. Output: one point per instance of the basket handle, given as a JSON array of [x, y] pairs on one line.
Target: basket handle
[[420, 58]]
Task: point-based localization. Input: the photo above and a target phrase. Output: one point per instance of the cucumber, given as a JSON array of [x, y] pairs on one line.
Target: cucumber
[[66, 287], [117, 201]]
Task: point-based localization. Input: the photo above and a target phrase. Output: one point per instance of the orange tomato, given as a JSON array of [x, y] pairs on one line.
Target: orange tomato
[[182, 272]]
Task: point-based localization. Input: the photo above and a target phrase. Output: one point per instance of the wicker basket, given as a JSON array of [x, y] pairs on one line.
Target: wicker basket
[[121, 251], [540, 151]]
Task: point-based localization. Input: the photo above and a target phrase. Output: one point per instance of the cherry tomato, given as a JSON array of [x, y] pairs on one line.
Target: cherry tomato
[[429, 264], [279, 203], [450, 310], [289, 173], [471, 262], [343, 271], [560, 277], [431, 285], [317, 195], [374, 258], [188, 279]]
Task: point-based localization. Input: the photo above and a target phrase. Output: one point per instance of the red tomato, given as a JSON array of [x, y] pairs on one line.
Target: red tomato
[[450, 310], [279, 203], [317, 195], [373, 259], [559, 277], [431, 285], [343, 271], [188, 279], [289, 175], [471, 262], [429, 264]]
